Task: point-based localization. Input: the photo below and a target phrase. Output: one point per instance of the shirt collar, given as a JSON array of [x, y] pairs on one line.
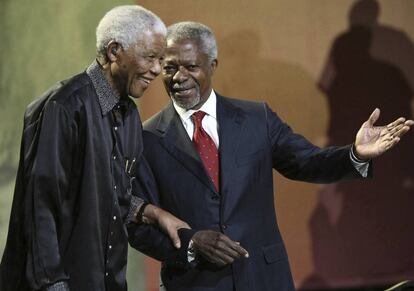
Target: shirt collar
[[208, 107], [107, 97]]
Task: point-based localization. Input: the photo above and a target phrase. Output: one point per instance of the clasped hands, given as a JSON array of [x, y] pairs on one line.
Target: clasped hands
[[217, 248], [372, 141], [212, 246]]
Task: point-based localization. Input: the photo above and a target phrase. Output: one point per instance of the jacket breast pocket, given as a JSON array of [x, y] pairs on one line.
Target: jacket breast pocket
[[274, 253], [249, 158]]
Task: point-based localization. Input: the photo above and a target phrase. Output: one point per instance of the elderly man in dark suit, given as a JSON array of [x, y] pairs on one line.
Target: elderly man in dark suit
[[212, 159]]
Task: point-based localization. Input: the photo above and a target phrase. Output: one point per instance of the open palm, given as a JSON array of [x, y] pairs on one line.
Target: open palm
[[372, 141]]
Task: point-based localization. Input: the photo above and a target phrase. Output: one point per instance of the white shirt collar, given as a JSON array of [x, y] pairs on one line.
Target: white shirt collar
[[208, 107]]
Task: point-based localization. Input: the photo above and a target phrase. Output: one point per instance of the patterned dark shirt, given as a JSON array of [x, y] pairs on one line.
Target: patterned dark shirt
[[80, 148]]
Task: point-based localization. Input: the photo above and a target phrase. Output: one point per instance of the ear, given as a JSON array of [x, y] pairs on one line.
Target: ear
[[214, 65], [112, 51]]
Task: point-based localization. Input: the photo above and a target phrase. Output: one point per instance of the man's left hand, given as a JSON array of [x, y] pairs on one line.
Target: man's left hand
[[372, 141]]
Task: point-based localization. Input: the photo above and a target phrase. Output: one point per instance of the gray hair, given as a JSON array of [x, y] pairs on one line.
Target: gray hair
[[195, 31], [126, 25]]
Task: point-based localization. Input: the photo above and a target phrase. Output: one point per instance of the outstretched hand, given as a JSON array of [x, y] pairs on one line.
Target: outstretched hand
[[372, 141]]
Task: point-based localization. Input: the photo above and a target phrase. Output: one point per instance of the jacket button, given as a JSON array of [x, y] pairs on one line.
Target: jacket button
[[224, 226]]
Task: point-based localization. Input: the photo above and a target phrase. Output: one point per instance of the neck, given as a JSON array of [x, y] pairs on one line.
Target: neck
[[106, 69], [202, 100]]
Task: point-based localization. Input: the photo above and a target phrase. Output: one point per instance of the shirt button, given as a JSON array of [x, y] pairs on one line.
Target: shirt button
[[114, 157], [224, 226], [116, 127], [106, 274], [114, 217], [112, 233], [110, 247], [115, 187]]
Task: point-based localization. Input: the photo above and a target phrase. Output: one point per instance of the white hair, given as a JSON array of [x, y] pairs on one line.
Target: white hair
[[195, 31], [126, 25]]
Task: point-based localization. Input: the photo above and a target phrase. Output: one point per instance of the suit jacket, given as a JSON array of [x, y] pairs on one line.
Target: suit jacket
[[253, 142]]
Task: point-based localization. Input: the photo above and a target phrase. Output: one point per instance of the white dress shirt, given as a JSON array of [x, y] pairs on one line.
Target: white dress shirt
[[209, 122]]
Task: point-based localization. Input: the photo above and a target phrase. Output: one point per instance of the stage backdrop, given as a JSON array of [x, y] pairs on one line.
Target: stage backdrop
[[323, 65]]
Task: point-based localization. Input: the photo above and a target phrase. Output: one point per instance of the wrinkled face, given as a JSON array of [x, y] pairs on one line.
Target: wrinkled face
[[136, 66], [187, 73]]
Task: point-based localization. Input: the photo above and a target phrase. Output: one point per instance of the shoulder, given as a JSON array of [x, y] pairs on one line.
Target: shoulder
[[253, 110], [151, 123], [70, 91], [160, 121], [243, 104], [66, 96], [65, 92]]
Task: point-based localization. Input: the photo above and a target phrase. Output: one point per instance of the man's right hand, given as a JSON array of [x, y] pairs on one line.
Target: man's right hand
[[166, 221], [217, 248]]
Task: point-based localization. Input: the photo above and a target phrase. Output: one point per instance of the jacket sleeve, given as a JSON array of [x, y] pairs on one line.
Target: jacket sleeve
[[149, 239], [296, 158], [47, 179]]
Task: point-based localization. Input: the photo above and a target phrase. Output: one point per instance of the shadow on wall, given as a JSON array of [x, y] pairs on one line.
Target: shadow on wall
[[244, 73], [362, 232]]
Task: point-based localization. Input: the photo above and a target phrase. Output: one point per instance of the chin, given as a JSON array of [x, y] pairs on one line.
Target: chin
[[186, 103], [137, 94]]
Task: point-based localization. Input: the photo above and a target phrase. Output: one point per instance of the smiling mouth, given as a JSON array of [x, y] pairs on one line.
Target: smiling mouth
[[146, 81], [182, 91]]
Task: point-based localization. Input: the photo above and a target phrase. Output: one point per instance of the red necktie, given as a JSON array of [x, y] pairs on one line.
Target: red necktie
[[206, 148]]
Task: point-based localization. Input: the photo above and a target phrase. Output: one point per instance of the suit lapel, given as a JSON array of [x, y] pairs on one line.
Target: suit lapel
[[177, 142], [230, 120]]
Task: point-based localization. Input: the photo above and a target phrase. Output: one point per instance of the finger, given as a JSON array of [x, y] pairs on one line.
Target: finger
[[184, 225], [396, 127], [393, 131], [227, 246], [384, 131], [387, 138], [374, 117], [173, 234], [242, 251], [223, 257], [392, 143], [216, 256], [396, 122], [235, 247], [409, 122], [210, 256], [403, 130]]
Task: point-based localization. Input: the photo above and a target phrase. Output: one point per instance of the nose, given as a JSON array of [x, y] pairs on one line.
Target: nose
[[156, 67], [180, 75]]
